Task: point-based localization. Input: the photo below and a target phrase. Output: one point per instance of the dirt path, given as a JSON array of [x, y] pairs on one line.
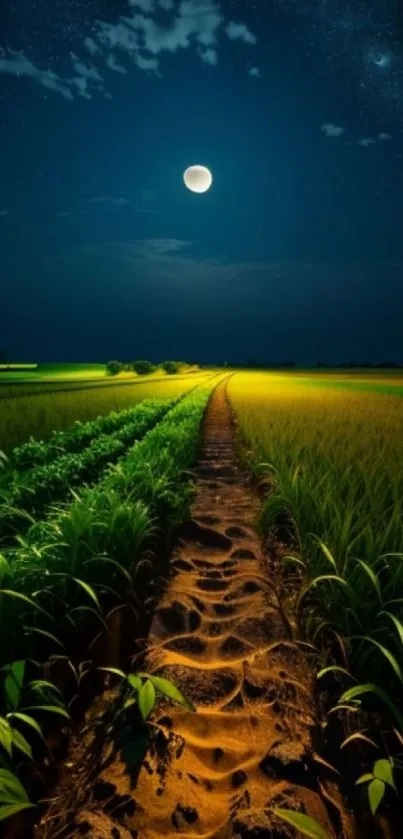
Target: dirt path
[[220, 635]]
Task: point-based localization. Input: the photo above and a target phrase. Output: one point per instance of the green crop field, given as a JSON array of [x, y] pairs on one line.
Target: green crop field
[[97, 480], [38, 412]]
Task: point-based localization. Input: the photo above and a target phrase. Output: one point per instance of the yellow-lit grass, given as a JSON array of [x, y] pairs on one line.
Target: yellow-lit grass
[[38, 415], [338, 456]]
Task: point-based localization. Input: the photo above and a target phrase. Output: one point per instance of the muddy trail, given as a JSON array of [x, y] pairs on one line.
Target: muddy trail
[[220, 634]]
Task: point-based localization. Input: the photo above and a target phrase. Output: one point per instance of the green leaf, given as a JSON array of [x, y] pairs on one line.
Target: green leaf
[[134, 681], [385, 652], [383, 771], [114, 670], [364, 779], [304, 824], [329, 556], [6, 736], [376, 791], [21, 743], [51, 709], [89, 590], [170, 690], [4, 567], [44, 634], [13, 684], [17, 715], [7, 810], [358, 735], [16, 595], [372, 576], [146, 698], [359, 690], [334, 668], [397, 623]]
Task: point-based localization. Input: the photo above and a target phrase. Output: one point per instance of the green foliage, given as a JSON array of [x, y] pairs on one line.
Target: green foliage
[[142, 690], [302, 823], [13, 798], [171, 367], [143, 368], [114, 367], [31, 490], [331, 460], [377, 782]]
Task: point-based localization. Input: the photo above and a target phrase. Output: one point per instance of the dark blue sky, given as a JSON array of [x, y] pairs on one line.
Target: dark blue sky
[[295, 252]]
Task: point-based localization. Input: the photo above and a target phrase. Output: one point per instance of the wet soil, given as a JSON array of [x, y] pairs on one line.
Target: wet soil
[[220, 634]]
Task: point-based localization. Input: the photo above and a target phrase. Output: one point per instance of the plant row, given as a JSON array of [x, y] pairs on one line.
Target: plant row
[[27, 493], [74, 439], [72, 572]]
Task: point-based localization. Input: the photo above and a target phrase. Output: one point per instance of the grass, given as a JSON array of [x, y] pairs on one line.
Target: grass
[[333, 457], [51, 371], [37, 415]]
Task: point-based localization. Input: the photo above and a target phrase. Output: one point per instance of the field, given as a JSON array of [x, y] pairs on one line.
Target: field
[[91, 510], [38, 410]]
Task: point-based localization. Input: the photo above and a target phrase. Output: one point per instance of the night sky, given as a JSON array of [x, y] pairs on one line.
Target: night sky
[[296, 252]]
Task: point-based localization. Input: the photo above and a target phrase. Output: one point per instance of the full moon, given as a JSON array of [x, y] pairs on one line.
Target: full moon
[[198, 178]]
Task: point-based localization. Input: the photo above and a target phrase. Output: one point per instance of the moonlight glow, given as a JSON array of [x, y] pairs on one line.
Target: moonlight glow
[[198, 178]]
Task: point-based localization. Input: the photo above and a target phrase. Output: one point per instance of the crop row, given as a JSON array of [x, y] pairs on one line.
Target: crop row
[[72, 573], [74, 439], [81, 554], [333, 463], [27, 493]]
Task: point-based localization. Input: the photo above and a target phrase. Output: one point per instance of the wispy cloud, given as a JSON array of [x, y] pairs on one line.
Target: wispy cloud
[[384, 136], [332, 130], [114, 65], [92, 47], [254, 71], [18, 65], [64, 214], [240, 32], [110, 200], [4, 212], [367, 141], [150, 29]]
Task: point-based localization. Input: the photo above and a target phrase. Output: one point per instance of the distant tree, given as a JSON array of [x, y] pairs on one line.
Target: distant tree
[[288, 364], [114, 367], [170, 367], [143, 368], [3, 356]]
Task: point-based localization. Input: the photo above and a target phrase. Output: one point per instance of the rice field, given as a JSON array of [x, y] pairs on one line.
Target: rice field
[[332, 458], [97, 481]]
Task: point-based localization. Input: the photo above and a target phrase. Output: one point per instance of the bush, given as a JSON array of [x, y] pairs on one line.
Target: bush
[[170, 367], [143, 368], [114, 367]]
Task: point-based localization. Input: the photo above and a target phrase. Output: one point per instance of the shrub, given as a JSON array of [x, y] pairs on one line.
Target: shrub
[[114, 367], [143, 368], [170, 367]]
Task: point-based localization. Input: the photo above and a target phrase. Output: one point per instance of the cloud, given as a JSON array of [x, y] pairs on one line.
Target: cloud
[[111, 200], [159, 247], [144, 34], [332, 130], [92, 47], [254, 71], [114, 65], [4, 212], [19, 65], [240, 32], [87, 72], [367, 141], [209, 56], [384, 136]]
